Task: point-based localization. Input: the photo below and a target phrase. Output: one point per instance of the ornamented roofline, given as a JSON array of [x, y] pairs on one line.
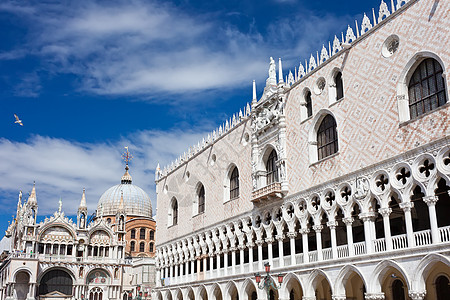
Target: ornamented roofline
[[346, 41], [215, 135], [334, 48]]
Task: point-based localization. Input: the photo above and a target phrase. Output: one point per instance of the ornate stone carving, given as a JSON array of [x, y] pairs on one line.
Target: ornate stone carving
[[362, 188]]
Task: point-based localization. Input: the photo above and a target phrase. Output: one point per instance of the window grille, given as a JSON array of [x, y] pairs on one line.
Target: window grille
[[327, 140], [426, 88]]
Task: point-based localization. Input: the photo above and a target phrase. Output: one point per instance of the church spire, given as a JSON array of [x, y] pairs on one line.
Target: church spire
[[82, 212]]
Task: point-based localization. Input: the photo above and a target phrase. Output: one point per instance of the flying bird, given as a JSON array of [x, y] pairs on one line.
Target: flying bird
[[18, 121]]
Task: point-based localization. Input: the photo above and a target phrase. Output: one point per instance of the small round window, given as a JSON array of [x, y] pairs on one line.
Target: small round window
[[390, 46]]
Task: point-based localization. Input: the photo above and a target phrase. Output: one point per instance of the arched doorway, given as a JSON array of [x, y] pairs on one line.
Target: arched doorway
[[322, 288], [393, 284], [21, 286], [56, 280], [293, 288]]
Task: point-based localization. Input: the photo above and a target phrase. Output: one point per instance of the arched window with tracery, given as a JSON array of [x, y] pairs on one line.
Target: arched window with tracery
[[327, 139], [426, 89], [142, 234], [142, 247], [271, 168], [132, 246], [133, 233], [234, 184], [201, 199]]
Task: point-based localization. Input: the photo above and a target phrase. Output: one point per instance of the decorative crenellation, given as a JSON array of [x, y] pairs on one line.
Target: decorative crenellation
[[210, 139], [343, 43]]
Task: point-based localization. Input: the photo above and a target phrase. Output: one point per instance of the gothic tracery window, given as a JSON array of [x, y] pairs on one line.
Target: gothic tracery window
[[426, 88], [327, 139], [234, 183], [271, 167]]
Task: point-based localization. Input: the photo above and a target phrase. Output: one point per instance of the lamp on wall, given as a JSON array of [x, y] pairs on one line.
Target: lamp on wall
[[267, 282]]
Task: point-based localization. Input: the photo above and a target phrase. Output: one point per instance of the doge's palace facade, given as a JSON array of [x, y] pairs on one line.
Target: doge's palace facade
[[338, 176]]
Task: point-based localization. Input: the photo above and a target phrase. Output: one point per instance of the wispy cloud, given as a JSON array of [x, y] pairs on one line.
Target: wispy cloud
[[151, 48], [62, 168]]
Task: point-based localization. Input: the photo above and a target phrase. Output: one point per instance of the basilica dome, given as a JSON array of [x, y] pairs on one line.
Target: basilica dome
[[136, 202]]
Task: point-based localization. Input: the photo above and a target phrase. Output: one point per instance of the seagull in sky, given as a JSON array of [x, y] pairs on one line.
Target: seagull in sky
[[18, 121]]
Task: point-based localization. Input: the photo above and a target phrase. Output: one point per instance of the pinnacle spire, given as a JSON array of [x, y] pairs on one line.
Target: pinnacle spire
[[280, 71], [254, 100], [83, 201], [32, 197], [121, 206]]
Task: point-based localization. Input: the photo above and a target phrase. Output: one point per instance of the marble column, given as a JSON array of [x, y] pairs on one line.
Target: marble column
[[431, 202], [280, 249], [369, 229], [318, 230], [348, 223], [241, 258], [291, 236], [304, 232], [269, 242], [332, 226], [406, 206], [233, 260], [385, 212], [259, 243], [250, 256]]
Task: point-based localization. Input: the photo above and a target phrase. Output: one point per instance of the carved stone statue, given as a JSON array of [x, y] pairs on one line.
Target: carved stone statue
[[272, 80], [362, 188]]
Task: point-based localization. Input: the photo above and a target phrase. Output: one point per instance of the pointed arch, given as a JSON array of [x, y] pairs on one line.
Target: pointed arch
[[324, 121], [423, 269], [291, 282], [343, 276], [313, 280], [379, 273]]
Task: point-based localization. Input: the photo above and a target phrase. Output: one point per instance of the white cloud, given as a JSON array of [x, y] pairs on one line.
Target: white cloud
[[151, 48], [63, 168]]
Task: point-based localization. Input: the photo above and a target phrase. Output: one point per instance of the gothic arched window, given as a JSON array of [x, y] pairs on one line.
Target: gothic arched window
[[174, 213], [152, 233], [201, 199], [132, 246], [339, 86], [142, 234], [142, 247], [426, 89], [133, 233], [308, 101], [271, 167], [234, 183], [327, 139], [151, 247]]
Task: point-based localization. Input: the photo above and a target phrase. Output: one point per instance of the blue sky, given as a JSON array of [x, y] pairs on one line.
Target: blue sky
[[90, 77]]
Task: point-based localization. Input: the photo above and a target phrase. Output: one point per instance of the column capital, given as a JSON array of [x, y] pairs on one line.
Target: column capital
[[348, 220], [279, 237], [317, 228], [417, 295], [368, 216], [406, 206], [374, 296], [385, 211], [291, 235], [259, 242], [241, 247], [303, 230], [332, 224], [269, 240], [430, 200]]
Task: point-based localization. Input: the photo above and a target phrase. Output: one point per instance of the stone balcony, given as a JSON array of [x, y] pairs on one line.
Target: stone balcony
[[269, 192]]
